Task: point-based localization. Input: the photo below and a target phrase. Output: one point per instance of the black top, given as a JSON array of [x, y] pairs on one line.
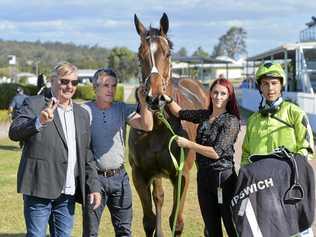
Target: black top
[[221, 134]]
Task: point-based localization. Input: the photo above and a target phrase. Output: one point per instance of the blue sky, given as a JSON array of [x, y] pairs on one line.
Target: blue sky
[[193, 23]]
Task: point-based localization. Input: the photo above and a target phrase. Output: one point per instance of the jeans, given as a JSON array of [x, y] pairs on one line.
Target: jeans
[[59, 213], [117, 196]]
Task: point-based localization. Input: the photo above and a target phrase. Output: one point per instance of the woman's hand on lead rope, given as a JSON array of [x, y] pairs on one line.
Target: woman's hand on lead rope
[[183, 142]]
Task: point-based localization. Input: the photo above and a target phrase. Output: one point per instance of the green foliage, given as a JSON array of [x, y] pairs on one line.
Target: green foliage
[[124, 62], [119, 96], [182, 52], [38, 57], [85, 92], [29, 89], [46, 55], [23, 80], [4, 72], [200, 52], [8, 91], [231, 44]]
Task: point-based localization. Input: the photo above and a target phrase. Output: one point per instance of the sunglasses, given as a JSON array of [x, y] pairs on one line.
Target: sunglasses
[[66, 82]]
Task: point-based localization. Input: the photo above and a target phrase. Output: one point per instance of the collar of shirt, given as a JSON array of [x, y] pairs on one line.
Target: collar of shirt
[[66, 109]]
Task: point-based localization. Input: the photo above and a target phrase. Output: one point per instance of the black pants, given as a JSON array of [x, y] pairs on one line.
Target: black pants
[[212, 211]]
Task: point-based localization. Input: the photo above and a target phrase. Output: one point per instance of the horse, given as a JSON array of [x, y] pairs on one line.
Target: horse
[[148, 151]]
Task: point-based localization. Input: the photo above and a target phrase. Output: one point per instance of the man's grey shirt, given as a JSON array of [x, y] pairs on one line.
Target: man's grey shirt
[[107, 133], [17, 101]]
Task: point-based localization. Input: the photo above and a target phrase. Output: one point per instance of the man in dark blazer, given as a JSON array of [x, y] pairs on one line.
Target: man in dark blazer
[[56, 166]]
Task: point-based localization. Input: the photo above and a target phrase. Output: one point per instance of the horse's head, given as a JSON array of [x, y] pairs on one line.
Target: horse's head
[[154, 54]]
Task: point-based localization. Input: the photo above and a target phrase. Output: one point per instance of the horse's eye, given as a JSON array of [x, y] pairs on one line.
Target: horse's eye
[[168, 54]]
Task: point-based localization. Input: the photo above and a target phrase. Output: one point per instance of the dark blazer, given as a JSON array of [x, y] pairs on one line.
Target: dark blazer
[[43, 165]]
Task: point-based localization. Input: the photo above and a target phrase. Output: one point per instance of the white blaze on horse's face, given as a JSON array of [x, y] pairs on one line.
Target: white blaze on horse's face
[[154, 56], [159, 65], [153, 47]]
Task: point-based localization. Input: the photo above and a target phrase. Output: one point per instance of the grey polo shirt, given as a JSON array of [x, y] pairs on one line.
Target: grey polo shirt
[[107, 133]]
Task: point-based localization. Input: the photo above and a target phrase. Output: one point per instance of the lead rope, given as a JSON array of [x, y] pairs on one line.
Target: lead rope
[[177, 166]]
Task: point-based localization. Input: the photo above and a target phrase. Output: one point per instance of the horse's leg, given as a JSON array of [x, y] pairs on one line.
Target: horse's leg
[[158, 196], [183, 192], [143, 189]]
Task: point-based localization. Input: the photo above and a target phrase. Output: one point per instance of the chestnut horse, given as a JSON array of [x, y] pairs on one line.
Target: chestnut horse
[[148, 151]]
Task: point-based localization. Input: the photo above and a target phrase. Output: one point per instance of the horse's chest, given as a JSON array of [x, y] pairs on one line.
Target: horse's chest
[[156, 142]]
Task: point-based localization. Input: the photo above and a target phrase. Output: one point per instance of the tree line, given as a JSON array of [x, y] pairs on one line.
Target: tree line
[[40, 56]]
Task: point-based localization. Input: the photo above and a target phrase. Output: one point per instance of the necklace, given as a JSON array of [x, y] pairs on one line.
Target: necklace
[[212, 118]]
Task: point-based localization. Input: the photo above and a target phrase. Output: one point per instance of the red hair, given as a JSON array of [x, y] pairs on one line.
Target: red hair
[[232, 106]]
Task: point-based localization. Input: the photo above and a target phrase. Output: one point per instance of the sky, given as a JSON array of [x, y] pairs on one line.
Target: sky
[[192, 23]]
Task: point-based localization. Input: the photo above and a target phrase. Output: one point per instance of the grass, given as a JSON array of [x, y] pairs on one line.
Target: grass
[[11, 205], [4, 116]]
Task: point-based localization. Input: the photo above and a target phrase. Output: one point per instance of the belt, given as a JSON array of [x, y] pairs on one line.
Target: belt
[[111, 172]]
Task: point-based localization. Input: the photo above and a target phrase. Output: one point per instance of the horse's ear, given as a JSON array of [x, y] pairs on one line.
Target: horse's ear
[[164, 24], [139, 26]]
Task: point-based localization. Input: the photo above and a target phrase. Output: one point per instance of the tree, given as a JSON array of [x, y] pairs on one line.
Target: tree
[[182, 52], [200, 53], [124, 62], [231, 44]]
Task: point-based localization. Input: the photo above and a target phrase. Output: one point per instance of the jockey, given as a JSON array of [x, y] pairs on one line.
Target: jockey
[[278, 122]]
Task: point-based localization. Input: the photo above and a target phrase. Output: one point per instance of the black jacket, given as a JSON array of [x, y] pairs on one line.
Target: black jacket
[[264, 204]]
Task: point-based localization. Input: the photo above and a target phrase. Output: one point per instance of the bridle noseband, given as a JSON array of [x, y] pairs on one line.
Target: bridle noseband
[[154, 70]]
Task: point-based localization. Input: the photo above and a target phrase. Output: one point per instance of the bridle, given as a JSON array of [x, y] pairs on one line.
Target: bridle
[[154, 70]]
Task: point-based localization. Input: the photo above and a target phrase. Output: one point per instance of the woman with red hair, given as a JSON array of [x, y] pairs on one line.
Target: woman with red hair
[[217, 131]]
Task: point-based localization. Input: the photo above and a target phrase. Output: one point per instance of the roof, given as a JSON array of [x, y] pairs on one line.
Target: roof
[[198, 59], [278, 53], [86, 72]]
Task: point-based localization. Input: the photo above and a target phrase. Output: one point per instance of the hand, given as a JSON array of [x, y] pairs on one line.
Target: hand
[[167, 98], [47, 115], [95, 198], [141, 94], [183, 142]]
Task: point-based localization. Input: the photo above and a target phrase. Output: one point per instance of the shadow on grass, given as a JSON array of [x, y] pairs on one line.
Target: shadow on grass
[[9, 148], [15, 235], [12, 235]]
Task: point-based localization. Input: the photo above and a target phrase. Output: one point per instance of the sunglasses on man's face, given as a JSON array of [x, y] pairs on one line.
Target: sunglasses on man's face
[[66, 82]]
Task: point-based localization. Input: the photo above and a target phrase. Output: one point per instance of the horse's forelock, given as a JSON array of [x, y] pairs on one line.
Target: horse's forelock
[[154, 32]]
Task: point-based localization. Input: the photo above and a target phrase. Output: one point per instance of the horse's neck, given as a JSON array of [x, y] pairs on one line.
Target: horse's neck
[[172, 120]]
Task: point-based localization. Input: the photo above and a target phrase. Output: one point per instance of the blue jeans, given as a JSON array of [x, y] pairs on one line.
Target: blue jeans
[[59, 213], [117, 196]]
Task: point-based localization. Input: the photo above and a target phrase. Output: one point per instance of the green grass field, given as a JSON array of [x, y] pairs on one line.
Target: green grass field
[[11, 206]]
